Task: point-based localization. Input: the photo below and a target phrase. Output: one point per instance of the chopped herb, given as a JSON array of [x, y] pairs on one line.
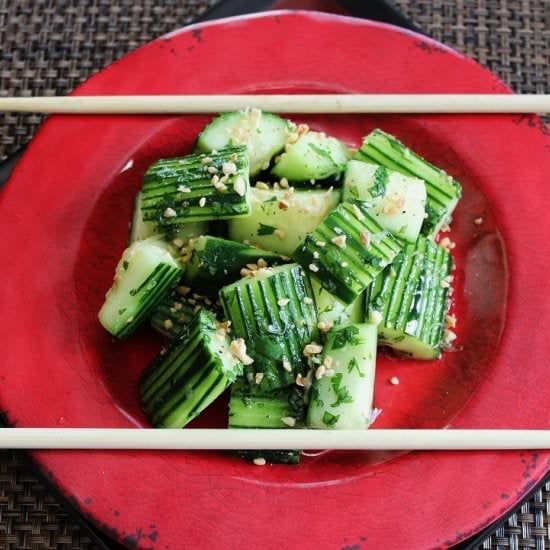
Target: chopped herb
[[342, 393], [353, 364], [330, 419], [378, 189], [266, 229], [347, 335]]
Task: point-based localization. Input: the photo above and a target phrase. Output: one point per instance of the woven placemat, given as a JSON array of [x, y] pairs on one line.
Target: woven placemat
[[50, 46]]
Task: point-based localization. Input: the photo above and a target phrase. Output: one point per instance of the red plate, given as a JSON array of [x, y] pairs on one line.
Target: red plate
[[64, 217]]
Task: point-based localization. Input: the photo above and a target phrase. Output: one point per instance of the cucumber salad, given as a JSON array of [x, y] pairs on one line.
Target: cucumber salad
[[277, 260]]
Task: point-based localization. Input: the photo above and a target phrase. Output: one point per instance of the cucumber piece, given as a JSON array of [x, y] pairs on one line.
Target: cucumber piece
[[174, 313], [342, 392], [280, 219], [274, 313], [216, 261], [197, 188], [398, 201], [314, 156], [264, 135], [283, 408], [332, 312], [180, 234], [443, 192], [195, 369], [409, 300], [347, 251], [145, 274]]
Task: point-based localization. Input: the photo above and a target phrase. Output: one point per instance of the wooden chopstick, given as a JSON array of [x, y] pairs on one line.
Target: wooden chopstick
[[302, 103], [194, 439]]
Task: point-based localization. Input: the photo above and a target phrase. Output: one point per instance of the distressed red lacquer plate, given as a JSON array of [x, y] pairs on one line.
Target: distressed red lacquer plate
[[64, 219]]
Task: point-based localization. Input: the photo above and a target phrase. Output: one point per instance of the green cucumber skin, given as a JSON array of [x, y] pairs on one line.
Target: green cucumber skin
[[443, 192], [264, 135], [165, 179], [411, 302], [274, 228], [195, 369], [216, 262], [314, 156], [364, 262], [344, 400], [273, 333], [145, 274]]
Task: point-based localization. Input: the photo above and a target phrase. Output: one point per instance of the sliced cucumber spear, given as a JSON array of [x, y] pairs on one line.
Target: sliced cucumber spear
[[398, 201], [409, 300], [215, 262], [274, 312], [280, 219], [313, 156], [195, 370], [197, 188], [145, 274], [331, 312], [342, 392], [264, 135], [443, 192], [347, 251]]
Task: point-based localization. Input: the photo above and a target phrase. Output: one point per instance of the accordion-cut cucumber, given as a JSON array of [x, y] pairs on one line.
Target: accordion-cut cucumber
[[332, 312], [409, 300], [140, 230], [283, 408], [216, 261], [145, 274], [314, 156], [264, 135], [195, 369], [342, 392], [443, 192], [347, 251], [197, 188], [274, 312], [280, 219], [398, 201]]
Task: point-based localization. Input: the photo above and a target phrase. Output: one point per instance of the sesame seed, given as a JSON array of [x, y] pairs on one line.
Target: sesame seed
[[238, 349], [446, 243], [206, 160], [394, 381], [328, 362], [220, 186], [313, 267], [178, 306], [307, 300], [282, 302], [196, 309], [280, 233], [448, 337], [262, 263], [312, 349], [478, 221], [320, 372], [259, 461], [183, 290], [178, 243], [262, 185], [244, 272], [290, 421], [339, 241], [300, 380], [283, 182], [325, 326], [168, 324], [358, 214], [258, 377], [212, 170], [184, 189], [321, 243], [344, 264], [233, 157], [450, 321], [286, 365], [365, 238], [229, 168], [215, 179], [240, 186], [202, 202], [315, 255], [169, 213]]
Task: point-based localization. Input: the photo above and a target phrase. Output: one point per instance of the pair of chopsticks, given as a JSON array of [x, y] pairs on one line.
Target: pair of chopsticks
[[301, 103], [87, 438], [225, 439]]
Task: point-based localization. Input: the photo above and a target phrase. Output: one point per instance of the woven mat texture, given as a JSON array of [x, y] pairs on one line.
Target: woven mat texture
[[50, 46]]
